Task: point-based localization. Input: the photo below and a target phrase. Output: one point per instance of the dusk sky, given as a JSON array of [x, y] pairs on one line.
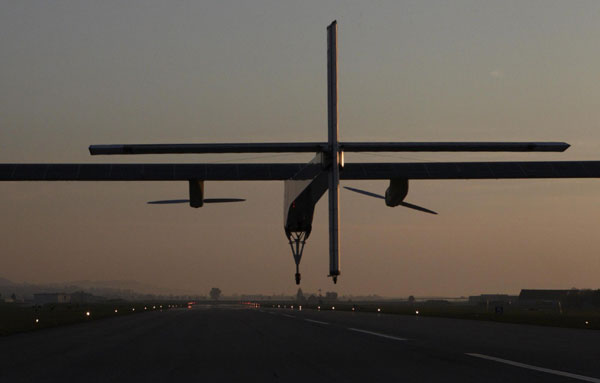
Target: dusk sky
[[75, 73]]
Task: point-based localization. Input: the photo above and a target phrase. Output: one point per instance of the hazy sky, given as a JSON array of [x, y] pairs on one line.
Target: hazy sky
[[75, 73]]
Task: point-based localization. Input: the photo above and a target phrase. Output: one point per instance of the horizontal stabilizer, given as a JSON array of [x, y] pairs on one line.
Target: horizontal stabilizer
[[454, 146], [270, 147], [307, 147]]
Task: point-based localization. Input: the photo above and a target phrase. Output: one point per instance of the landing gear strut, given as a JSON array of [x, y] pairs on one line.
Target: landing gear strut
[[297, 240]]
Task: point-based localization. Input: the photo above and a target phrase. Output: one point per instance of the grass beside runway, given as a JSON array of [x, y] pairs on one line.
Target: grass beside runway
[[18, 318], [580, 318]]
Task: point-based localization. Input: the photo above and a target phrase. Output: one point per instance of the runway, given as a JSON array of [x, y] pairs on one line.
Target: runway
[[234, 343]]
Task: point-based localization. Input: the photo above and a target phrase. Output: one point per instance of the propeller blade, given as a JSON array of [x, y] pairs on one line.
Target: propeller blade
[[419, 208], [168, 201], [207, 200], [221, 200], [364, 192]]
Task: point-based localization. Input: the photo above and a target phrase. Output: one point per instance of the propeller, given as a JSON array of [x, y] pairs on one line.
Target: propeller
[[207, 200], [405, 204], [168, 201], [417, 207], [221, 200], [364, 192]]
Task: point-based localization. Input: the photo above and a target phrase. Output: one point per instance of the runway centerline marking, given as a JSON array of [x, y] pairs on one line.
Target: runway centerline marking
[[288, 315], [376, 334], [315, 321], [535, 368]]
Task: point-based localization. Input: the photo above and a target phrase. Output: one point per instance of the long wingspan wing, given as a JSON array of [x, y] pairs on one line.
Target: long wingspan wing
[[283, 171], [303, 147], [149, 172], [472, 170]]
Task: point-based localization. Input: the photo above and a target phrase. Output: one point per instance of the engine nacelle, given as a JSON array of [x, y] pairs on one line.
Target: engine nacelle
[[196, 193], [396, 192]]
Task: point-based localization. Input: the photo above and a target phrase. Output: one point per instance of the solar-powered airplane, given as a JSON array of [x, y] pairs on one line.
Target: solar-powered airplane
[[306, 183]]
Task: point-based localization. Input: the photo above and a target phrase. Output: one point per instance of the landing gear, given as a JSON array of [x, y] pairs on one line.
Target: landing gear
[[297, 240], [334, 276]]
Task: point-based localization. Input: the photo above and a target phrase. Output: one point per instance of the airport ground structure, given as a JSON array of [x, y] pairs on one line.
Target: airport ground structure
[[562, 308]]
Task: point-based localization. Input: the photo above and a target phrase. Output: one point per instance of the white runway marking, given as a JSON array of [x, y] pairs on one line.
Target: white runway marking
[[288, 315], [376, 334], [535, 368], [315, 321]]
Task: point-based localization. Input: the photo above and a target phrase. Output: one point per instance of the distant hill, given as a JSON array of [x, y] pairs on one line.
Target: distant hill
[[125, 289], [6, 282]]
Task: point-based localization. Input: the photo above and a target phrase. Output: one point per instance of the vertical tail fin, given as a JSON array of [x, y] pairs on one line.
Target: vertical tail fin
[[334, 172]]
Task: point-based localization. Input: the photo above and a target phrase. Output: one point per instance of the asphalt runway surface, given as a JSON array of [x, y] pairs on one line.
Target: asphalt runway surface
[[235, 343]]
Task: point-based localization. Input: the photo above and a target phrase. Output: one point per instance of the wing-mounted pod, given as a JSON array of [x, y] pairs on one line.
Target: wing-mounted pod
[[196, 193], [394, 195], [396, 192]]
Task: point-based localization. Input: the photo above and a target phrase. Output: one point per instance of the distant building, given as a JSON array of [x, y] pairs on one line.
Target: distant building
[[253, 297], [582, 299], [436, 302], [45, 298], [83, 297], [535, 297], [492, 299], [331, 296]]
